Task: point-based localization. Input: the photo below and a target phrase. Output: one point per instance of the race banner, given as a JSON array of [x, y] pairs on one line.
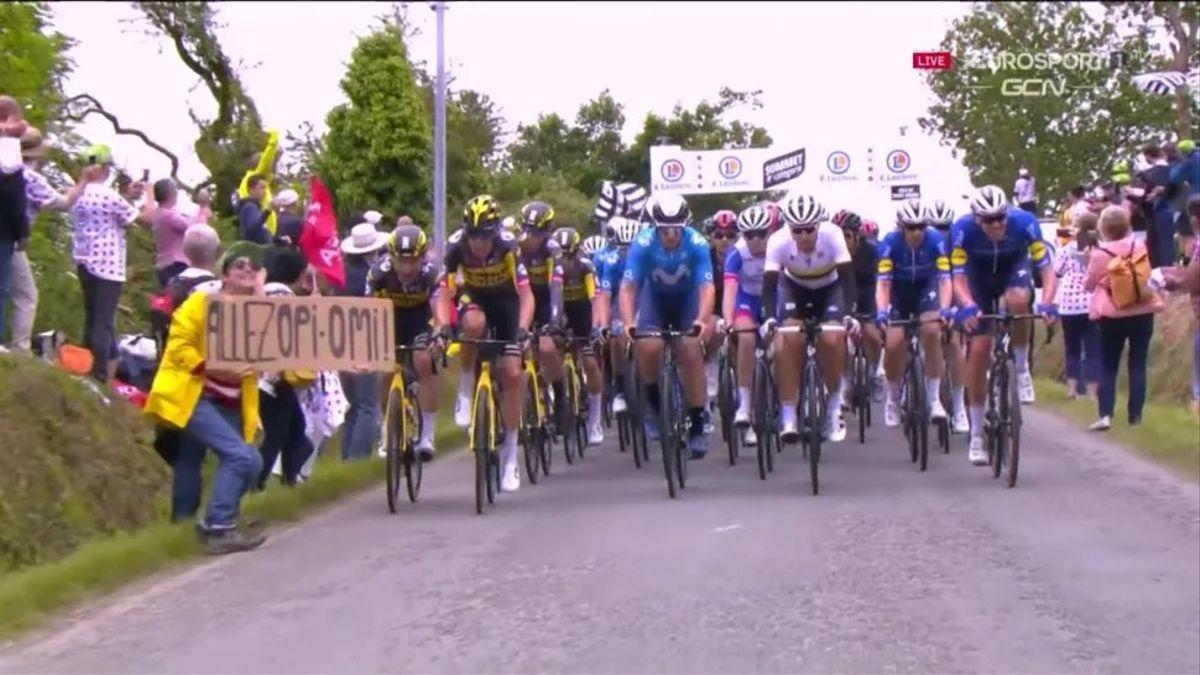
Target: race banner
[[299, 333]]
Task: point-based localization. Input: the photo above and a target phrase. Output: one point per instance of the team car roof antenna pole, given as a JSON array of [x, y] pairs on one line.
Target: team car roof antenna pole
[[439, 136]]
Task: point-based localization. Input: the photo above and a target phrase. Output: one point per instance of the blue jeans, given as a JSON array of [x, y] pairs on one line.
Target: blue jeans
[[1196, 367], [361, 428], [187, 484], [283, 433], [1114, 333], [220, 428], [7, 248], [1081, 342]]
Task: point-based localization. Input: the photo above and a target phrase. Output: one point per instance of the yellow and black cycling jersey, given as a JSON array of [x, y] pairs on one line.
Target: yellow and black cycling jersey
[[405, 294], [539, 262], [498, 273], [578, 277]]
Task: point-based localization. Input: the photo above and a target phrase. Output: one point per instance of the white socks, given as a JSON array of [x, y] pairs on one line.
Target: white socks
[[933, 388], [466, 383], [975, 413], [594, 401], [956, 400], [508, 452], [710, 375], [787, 414], [744, 400], [428, 426], [893, 392], [1021, 355]]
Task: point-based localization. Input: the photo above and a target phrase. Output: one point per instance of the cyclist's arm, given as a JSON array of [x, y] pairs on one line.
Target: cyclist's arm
[[771, 267], [628, 302], [845, 272], [708, 296], [556, 293], [1040, 256], [601, 308], [733, 268], [883, 280], [958, 269], [945, 288], [703, 256], [443, 300]]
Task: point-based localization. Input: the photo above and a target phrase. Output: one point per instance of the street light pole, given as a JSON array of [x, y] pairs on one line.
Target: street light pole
[[439, 135]]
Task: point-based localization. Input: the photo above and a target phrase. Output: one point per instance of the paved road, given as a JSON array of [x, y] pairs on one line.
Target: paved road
[[1091, 565]]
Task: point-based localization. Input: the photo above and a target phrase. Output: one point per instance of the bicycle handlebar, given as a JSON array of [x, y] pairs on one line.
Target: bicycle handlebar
[[694, 331]]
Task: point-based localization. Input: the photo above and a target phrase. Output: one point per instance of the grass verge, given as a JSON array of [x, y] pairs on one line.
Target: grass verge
[[1169, 433], [31, 597]]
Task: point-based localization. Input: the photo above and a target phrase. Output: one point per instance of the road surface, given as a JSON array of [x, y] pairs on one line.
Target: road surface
[[1092, 564]]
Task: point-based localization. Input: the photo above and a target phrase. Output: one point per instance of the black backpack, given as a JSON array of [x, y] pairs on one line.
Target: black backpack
[[164, 304]]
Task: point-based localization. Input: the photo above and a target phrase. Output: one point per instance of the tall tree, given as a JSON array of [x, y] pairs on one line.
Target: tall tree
[[377, 152], [1181, 21], [227, 141], [33, 62], [996, 120]]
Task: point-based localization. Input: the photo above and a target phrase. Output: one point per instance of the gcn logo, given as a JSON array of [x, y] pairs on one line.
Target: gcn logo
[[838, 162], [730, 167], [898, 161], [672, 170]]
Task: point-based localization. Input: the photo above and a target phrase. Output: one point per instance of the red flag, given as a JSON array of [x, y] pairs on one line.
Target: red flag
[[319, 241]]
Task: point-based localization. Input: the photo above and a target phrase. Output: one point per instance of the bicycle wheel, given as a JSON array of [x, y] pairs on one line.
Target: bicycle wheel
[[861, 397], [1000, 407], [667, 430], [567, 432], [920, 412], [762, 417], [726, 403], [414, 466], [481, 442], [394, 430], [812, 405], [682, 454], [531, 435], [546, 447], [775, 445], [1013, 425]]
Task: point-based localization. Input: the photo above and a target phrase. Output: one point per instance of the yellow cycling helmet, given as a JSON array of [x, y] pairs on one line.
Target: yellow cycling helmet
[[408, 241], [481, 213], [568, 240]]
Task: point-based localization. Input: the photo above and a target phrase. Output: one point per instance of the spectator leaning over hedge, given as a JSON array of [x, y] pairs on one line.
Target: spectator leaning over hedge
[[214, 409], [100, 218], [1081, 337], [252, 219], [288, 273], [39, 196], [1119, 320]]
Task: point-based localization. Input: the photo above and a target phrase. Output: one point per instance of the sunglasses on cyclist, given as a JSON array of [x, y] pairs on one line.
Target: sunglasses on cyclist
[[723, 235], [914, 228], [993, 220], [806, 229], [755, 234]]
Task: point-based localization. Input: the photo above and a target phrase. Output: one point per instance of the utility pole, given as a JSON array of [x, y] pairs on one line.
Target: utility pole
[[439, 135]]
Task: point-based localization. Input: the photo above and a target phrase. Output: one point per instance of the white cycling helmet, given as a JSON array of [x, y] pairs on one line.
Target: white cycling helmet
[[593, 244], [939, 215], [667, 210], [623, 230], [801, 210], [989, 200], [910, 213], [753, 219]]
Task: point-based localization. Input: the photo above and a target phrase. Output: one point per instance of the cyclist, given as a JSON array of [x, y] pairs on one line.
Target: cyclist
[[406, 278], [484, 258], [668, 284], [537, 255], [722, 232], [743, 301], [593, 245], [914, 281], [610, 266], [808, 268], [993, 247], [870, 230], [571, 291], [940, 216], [511, 225], [864, 259]]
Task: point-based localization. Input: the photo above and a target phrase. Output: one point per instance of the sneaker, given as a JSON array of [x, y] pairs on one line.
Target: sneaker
[[698, 445], [975, 452], [1025, 388], [234, 540], [789, 432], [709, 425], [750, 439], [425, 449], [510, 479], [595, 434], [835, 428], [936, 411], [1102, 424], [618, 404], [381, 449], [961, 424], [741, 418], [891, 414], [462, 411], [650, 421]]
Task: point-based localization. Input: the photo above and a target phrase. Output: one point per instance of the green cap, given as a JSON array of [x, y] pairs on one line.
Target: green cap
[[243, 249], [1121, 167], [1122, 178], [1186, 146], [100, 154]]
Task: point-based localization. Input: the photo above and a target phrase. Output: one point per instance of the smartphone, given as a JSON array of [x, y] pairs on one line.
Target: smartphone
[[145, 175]]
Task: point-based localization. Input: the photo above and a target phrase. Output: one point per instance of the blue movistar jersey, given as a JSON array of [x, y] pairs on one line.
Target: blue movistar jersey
[[610, 265], [901, 264], [680, 270], [974, 254]]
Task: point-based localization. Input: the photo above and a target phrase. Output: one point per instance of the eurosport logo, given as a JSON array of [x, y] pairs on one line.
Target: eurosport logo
[[838, 162], [672, 170], [898, 161], [730, 167]]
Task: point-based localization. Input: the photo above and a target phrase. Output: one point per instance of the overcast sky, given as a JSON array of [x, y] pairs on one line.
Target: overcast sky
[[828, 71]]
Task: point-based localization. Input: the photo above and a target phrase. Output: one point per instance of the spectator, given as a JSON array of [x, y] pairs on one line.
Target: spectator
[[214, 409], [252, 219], [288, 273], [290, 218], [362, 424], [1157, 207], [261, 164], [1133, 324], [14, 219], [1188, 280], [168, 226], [39, 196], [100, 217], [1025, 191], [1081, 337]]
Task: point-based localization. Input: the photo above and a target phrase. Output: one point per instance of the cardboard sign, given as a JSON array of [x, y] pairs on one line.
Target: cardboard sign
[[299, 333]]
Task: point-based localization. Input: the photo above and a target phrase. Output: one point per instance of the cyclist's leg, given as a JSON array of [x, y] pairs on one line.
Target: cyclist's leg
[[1018, 299], [617, 348], [579, 319], [789, 355], [692, 372], [502, 316], [749, 308], [648, 353], [979, 354], [931, 343], [831, 355], [895, 358], [956, 365], [472, 325], [428, 390]]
